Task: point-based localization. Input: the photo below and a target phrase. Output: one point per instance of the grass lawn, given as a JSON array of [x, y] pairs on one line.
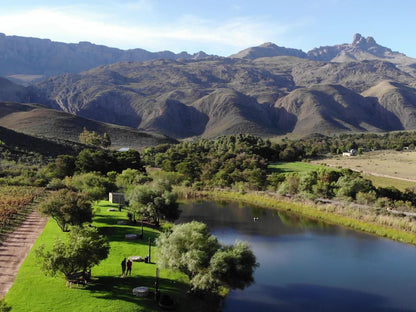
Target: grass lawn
[[292, 167], [108, 291]]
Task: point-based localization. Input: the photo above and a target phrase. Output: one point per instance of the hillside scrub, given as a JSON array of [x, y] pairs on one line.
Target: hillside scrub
[[242, 162]]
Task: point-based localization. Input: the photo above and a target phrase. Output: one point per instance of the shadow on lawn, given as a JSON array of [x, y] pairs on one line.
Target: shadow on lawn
[[118, 234], [117, 288]]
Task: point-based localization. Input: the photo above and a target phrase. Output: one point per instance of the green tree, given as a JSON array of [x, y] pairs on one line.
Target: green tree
[[106, 141], [130, 178], [89, 160], [128, 160], [349, 187], [233, 266], [83, 249], [67, 208], [64, 166], [192, 250], [94, 185], [154, 202], [92, 138]]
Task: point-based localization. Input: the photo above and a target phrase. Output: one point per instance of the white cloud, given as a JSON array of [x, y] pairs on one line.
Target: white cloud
[[186, 33]]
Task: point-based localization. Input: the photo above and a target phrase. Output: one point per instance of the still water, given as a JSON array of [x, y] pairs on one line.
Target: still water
[[309, 266]]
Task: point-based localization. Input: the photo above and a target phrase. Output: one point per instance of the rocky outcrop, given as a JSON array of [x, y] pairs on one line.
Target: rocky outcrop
[[360, 49]]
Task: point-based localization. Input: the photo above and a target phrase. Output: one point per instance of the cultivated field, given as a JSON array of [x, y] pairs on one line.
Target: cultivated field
[[13, 199], [383, 167]]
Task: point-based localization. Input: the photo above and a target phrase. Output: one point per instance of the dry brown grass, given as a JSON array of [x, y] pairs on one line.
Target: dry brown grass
[[393, 165]]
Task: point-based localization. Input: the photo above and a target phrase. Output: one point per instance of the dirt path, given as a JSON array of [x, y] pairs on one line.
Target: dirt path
[[15, 248]]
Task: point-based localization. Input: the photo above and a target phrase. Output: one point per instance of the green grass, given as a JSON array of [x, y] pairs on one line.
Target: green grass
[[107, 291], [292, 167]]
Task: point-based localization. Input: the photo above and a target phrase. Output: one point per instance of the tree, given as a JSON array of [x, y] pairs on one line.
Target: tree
[[64, 166], [92, 138], [83, 249], [154, 202], [192, 250], [94, 185], [349, 187], [233, 266], [67, 208], [89, 160], [128, 159], [129, 178], [106, 141]]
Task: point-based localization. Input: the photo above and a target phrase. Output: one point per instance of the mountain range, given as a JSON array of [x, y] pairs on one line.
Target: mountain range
[[25, 60], [266, 90]]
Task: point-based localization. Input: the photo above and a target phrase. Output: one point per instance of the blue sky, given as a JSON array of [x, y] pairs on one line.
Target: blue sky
[[216, 27]]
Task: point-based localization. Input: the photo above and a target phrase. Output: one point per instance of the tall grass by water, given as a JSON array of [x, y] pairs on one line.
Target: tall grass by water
[[398, 228]]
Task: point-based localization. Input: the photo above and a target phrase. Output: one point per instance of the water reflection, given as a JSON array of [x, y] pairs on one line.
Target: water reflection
[[252, 220], [307, 265]]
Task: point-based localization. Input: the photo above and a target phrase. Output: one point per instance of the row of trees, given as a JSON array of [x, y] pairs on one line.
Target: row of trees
[[241, 162], [344, 184], [89, 160]]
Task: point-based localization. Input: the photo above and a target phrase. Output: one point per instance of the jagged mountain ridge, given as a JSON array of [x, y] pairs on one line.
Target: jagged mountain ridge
[[252, 92], [26, 59]]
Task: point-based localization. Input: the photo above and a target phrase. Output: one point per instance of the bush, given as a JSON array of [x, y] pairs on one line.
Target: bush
[[366, 198]]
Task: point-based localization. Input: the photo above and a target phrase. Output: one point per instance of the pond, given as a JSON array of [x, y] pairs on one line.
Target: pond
[[310, 266]]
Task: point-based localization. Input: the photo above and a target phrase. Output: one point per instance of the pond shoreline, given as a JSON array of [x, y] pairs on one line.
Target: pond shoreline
[[314, 211]]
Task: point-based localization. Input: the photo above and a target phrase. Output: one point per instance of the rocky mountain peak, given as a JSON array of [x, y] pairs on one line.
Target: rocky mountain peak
[[360, 41], [268, 45], [268, 49]]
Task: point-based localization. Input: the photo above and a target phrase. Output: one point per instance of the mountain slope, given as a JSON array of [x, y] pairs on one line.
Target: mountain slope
[[20, 144], [232, 112], [12, 92], [332, 108], [48, 123], [396, 98]]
